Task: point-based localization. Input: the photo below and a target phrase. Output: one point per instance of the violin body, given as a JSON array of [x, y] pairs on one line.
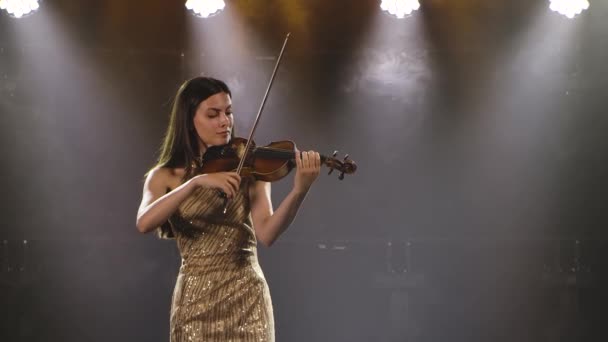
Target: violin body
[[268, 163], [262, 166]]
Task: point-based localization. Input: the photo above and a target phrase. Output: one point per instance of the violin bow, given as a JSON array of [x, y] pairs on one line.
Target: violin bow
[[257, 118]]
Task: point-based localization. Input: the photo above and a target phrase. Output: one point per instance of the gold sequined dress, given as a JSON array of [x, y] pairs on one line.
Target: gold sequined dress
[[221, 293]]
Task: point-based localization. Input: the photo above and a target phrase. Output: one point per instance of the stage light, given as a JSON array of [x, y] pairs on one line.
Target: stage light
[[400, 8], [19, 8], [569, 8], [205, 8]]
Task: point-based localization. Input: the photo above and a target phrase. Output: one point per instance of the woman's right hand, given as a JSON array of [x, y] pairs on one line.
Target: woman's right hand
[[228, 182]]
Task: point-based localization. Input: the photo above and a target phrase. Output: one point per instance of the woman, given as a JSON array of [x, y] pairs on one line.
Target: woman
[[220, 293]]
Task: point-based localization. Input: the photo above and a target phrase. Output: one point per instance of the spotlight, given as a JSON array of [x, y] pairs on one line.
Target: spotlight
[[400, 8], [19, 8], [569, 8], [205, 8]]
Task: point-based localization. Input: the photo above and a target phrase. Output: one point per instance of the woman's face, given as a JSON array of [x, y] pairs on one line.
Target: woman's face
[[213, 121]]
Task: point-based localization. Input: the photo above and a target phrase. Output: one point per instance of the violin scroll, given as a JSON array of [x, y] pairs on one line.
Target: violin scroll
[[346, 166]]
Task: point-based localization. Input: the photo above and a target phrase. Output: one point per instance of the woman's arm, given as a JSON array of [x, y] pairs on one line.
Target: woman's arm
[[269, 224], [157, 205]]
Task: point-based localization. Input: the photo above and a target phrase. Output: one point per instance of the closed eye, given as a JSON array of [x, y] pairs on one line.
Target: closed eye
[[213, 112]]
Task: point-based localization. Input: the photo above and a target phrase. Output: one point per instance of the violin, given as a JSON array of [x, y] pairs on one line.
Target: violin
[[266, 163]]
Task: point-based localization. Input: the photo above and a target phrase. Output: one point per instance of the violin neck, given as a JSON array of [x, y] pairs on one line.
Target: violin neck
[[270, 152]]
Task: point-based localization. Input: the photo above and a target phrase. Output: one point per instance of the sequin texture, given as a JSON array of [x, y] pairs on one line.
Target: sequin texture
[[220, 293]]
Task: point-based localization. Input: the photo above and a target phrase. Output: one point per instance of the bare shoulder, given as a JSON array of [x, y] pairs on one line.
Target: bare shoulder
[[164, 177]]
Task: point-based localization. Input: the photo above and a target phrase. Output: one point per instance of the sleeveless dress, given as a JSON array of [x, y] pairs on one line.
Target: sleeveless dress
[[220, 293]]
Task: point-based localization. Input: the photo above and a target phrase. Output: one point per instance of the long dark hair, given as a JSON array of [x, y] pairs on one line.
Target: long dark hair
[[180, 144]]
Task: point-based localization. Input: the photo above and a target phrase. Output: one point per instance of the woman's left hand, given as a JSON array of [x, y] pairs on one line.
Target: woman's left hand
[[308, 166]]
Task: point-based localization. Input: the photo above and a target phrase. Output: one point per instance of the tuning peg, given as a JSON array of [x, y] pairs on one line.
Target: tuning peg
[[330, 171], [341, 177], [335, 153], [345, 157]]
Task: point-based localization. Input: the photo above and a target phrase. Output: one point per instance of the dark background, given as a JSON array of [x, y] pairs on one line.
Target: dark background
[[478, 212]]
